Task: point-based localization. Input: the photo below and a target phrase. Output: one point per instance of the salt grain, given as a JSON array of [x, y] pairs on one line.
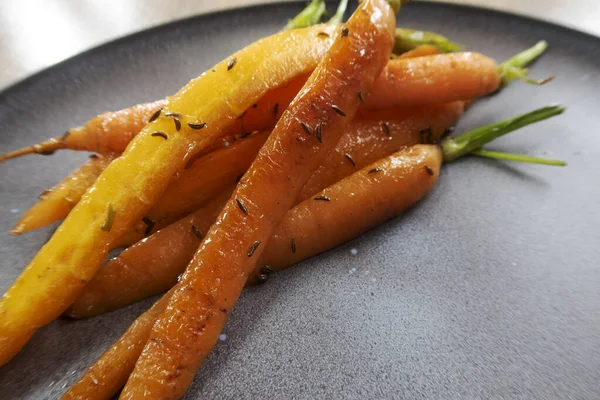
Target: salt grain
[[222, 337]]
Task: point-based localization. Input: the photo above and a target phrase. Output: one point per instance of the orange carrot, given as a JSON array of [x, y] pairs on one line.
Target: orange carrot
[[107, 376], [106, 133], [55, 204], [310, 127], [381, 191], [152, 266], [376, 134], [132, 183], [439, 78], [206, 178], [316, 226], [421, 51]]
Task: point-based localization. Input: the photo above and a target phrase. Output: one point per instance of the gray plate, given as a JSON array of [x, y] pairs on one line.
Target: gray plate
[[489, 288]]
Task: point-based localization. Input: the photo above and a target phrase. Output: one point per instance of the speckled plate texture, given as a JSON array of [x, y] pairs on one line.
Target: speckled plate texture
[[488, 289]]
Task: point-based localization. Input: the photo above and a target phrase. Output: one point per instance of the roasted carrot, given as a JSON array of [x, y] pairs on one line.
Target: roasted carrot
[[126, 190], [125, 279], [316, 226], [107, 376], [112, 131], [382, 190], [152, 266], [310, 127], [443, 77], [107, 133], [55, 203], [376, 134], [207, 177], [421, 51]]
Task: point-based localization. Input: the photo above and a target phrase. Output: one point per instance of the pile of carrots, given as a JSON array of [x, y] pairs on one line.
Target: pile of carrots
[[287, 148]]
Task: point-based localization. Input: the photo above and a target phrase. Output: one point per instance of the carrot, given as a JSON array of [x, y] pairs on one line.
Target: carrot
[[443, 77], [365, 141], [112, 131], [316, 226], [421, 51], [207, 177], [106, 133], [109, 373], [381, 191], [126, 190], [55, 204], [152, 266], [368, 140], [310, 127], [264, 115]]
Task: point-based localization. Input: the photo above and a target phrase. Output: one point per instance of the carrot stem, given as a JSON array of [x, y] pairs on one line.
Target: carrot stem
[[338, 17], [462, 145], [309, 16], [409, 39], [514, 67], [517, 157]]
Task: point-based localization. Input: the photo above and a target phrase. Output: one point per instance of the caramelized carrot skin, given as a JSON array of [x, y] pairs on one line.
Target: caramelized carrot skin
[[368, 139], [152, 266], [439, 78], [206, 178], [188, 329], [317, 226], [129, 186], [401, 183]]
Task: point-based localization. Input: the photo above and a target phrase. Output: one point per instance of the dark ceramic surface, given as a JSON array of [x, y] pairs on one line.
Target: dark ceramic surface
[[489, 288]]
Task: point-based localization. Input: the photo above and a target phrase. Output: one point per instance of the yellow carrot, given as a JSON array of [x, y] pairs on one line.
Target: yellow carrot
[[195, 117], [310, 127]]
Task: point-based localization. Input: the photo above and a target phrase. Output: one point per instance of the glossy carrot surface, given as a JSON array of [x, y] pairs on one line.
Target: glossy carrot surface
[[310, 127], [152, 266], [132, 183], [439, 78], [315, 225], [458, 76]]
